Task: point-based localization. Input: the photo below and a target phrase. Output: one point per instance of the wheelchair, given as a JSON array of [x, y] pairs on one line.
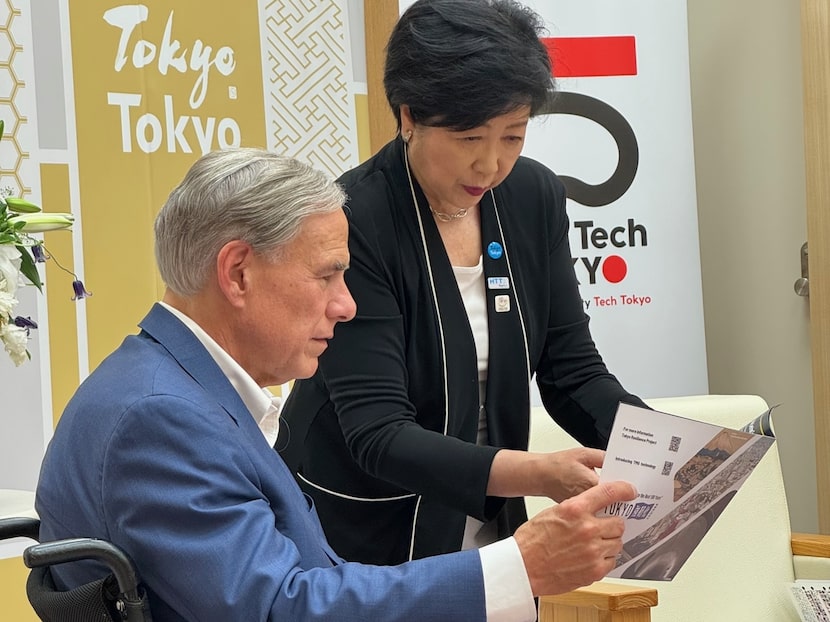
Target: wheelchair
[[118, 597]]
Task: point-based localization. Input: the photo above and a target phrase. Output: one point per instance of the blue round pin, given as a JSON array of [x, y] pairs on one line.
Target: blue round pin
[[494, 250]]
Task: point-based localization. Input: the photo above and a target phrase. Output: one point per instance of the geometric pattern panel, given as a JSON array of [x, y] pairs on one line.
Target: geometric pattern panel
[[308, 106]]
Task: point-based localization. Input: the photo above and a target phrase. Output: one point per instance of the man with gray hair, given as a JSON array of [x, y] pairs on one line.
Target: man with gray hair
[[168, 443]]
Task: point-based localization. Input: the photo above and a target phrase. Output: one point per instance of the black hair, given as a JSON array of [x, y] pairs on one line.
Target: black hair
[[459, 63]]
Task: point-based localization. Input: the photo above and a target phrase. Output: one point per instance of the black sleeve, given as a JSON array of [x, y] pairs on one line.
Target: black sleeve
[[577, 389]]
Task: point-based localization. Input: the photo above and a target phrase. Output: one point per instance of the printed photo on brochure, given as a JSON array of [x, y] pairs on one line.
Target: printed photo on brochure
[[686, 472]]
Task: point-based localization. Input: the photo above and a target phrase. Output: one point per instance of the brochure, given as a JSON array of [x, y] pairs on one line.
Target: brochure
[[686, 472], [811, 600]]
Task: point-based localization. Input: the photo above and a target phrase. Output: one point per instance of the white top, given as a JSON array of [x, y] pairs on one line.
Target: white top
[[470, 281]]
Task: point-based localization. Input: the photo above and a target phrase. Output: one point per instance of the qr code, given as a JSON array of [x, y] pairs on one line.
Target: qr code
[[667, 467], [674, 445]]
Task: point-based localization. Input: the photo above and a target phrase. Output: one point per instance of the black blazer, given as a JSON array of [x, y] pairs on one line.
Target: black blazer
[[383, 436]]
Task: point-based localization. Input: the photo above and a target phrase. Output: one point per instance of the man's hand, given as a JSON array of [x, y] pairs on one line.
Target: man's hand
[[568, 546]]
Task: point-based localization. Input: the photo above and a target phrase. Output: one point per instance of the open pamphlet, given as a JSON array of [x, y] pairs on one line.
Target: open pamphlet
[[811, 599], [685, 472]]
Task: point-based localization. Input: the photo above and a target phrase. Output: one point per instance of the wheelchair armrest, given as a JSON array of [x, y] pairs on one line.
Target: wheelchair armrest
[[19, 527], [75, 549]]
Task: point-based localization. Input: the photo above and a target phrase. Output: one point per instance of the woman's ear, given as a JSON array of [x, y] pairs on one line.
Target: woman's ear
[[407, 124]]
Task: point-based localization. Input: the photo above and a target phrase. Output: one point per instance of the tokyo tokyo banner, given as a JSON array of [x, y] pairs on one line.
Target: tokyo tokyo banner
[[106, 103]]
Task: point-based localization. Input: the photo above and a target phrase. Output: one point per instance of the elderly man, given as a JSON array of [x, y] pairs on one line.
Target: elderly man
[[166, 449]]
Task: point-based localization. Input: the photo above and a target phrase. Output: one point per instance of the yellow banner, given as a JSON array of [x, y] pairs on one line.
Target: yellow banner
[[156, 85]]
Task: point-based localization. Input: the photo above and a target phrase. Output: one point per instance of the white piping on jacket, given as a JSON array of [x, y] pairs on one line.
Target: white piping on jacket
[[350, 497]]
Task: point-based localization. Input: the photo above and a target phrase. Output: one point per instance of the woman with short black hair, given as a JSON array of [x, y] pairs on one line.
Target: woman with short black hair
[[412, 437]]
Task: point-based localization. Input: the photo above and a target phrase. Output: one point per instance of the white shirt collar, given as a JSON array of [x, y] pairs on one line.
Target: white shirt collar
[[260, 402]]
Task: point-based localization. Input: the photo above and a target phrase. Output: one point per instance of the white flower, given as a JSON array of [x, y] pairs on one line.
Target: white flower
[[43, 221], [10, 267], [7, 303], [15, 339]]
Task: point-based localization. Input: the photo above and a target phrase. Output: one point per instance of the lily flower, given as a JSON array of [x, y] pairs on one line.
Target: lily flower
[[7, 303], [21, 206], [9, 267], [43, 221], [15, 341], [80, 290]]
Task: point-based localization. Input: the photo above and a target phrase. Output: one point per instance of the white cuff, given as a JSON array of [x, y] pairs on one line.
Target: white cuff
[[507, 593]]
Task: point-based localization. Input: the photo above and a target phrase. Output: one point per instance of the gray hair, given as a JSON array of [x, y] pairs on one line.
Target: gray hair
[[236, 194]]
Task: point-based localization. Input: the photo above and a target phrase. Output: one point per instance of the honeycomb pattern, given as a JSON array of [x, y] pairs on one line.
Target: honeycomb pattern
[[12, 154]]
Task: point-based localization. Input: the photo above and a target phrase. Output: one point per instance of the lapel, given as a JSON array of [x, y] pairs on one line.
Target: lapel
[[507, 402], [191, 355], [194, 359], [508, 385], [459, 367]]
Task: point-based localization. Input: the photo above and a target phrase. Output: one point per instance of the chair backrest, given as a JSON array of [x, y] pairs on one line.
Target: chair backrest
[[742, 566], [115, 597]]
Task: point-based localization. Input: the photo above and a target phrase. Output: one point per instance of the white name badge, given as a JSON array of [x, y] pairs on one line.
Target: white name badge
[[498, 282]]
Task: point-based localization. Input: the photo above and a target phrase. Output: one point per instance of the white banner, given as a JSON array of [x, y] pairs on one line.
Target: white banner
[[622, 140]]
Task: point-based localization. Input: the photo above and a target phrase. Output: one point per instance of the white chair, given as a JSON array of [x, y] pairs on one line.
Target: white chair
[[17, 503], [741, 568]]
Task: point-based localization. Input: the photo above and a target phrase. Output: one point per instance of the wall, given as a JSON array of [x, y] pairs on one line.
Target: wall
[[100, 124], [745, 61]]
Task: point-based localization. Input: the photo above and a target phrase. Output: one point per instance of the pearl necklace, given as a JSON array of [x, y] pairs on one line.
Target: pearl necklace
[[448, 217]]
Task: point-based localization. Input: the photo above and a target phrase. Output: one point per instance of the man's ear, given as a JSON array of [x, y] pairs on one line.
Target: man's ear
[[233, 271]]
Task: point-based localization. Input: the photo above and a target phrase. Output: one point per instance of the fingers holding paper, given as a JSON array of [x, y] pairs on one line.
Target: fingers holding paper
[[571, 472], [568, 546], [558, 475]]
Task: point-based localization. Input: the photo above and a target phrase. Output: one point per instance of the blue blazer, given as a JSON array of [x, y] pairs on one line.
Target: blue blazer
[[157, 453]]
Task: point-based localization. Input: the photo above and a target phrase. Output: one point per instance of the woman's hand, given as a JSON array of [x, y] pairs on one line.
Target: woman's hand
[[559, 475]]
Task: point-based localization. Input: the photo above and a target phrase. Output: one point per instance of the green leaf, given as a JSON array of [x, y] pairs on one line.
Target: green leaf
[[29, 268], [2, 128]]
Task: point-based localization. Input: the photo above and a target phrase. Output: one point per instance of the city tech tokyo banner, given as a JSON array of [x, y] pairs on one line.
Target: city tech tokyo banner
[[620, 136]]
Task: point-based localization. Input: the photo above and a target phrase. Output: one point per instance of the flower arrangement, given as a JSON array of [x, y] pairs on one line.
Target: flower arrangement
[[20, 252]]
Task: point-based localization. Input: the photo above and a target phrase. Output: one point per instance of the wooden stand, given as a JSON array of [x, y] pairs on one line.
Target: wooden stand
[[600, 602]]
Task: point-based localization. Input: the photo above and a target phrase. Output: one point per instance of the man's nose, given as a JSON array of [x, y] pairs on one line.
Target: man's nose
[[343, 306]]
